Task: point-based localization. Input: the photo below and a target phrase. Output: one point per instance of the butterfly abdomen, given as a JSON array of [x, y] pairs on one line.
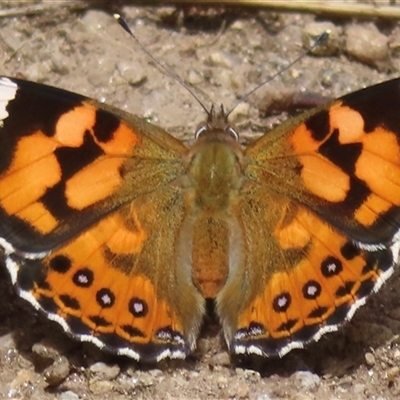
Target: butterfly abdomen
[[214, 174]]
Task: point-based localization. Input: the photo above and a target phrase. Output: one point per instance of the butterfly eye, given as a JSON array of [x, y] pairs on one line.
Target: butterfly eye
[[232, 131], [203, 127]]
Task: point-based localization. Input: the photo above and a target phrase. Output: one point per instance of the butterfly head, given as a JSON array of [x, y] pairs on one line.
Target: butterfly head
[[216, 123]]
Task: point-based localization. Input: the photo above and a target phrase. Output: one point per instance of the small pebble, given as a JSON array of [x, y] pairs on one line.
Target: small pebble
[[328, 77], [193, 77], [252, 376], [145, 380], [345, 383], [100, 387], [220, 59], [57, 372], [240, 111], [264, 396], [97, 20], [307, 380], [69, 395], [392, 373], [366, 44], [396, 354], [132, 72], [370, 359], [222, 381], [104, 371], [237, 26], [163, 11], [45, 351]]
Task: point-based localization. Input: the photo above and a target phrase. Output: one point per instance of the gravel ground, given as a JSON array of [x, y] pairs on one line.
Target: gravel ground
[[223, 55]]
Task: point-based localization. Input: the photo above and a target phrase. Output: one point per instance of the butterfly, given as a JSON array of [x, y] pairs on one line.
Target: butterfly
[[120, 233]]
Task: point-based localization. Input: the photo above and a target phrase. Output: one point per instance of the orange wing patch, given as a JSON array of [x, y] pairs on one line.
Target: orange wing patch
[[351, 161], [42, 176]]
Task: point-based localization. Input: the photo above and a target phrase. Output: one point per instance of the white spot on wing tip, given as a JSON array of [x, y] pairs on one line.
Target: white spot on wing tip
[[8, 90]]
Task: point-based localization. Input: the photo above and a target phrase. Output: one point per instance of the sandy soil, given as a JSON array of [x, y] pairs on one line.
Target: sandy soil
[[223, 55]]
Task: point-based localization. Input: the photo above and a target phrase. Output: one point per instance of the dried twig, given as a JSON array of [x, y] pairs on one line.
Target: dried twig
[[32, 9], [336, 8]]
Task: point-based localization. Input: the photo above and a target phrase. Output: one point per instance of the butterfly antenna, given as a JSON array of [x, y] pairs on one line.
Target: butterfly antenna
[[126, 28], [322, 38]]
